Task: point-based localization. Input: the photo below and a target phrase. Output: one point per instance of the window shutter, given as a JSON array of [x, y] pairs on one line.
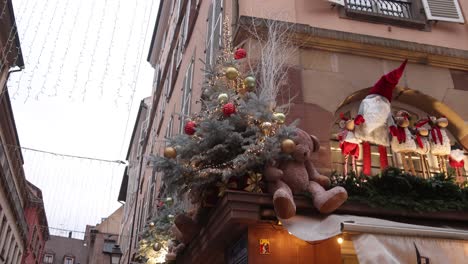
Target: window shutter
[[443, 10], [337, 2]]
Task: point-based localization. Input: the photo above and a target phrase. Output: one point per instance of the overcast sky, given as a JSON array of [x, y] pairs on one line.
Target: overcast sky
[[85, 75]]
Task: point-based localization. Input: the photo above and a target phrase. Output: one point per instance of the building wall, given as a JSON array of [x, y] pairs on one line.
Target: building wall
[[104, 236], [134, 201], [36, 236], [320, 14], [61, 247]]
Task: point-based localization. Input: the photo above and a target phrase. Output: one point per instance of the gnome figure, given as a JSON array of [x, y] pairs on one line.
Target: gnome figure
[[374, 117], [439, 140], [403, 142], [349, 144], [423, 147], [456, 161]]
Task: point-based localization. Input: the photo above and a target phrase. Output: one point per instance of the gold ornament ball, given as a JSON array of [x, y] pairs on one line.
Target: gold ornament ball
[[151, 225], [170, 153], [231, 73], [266, 127], [157, 246], [250, 82], [222, 98], [288, 146], [279, 117]]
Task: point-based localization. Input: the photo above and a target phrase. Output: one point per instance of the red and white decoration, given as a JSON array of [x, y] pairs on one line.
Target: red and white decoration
[[403, 141], [349, 144], [374, 118], [456, 161]]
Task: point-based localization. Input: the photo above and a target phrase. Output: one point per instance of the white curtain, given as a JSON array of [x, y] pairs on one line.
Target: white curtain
[[388, 249]]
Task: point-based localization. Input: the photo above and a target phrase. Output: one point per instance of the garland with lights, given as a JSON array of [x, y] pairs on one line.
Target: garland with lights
[[395, 189]]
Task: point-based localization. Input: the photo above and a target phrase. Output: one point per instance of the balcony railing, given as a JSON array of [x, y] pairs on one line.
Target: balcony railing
[[392, 8]]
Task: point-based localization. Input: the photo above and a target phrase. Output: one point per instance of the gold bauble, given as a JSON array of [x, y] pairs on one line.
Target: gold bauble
[[350, 125], [157, 246], [266, 128], [170, 153], [288, 146], [222, 98], [151, 225], [231, 73], [280, 118], [250, 82]]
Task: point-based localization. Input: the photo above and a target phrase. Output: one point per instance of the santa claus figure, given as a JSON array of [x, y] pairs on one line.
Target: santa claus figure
[[439, 140], [403, 142], [349, 144], [456, 161], [374, 117]]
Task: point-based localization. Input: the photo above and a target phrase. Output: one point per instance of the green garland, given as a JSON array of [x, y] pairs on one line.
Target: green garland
[[395, 189]]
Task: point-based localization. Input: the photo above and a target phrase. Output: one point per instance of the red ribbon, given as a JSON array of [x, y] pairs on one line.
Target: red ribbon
[[436, 133], [419, 141], [456, 164]]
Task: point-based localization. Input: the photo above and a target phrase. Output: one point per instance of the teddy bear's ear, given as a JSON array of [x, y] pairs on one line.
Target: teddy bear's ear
[[316, 143]]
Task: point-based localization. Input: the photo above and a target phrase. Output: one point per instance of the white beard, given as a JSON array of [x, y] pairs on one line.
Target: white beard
[[457, 154], [376, 110]]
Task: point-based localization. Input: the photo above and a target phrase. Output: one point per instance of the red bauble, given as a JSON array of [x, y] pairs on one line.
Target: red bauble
[[229, 109], [190, 128], [240, 54]]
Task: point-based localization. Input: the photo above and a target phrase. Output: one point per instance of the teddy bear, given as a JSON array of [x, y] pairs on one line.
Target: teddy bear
[[298, 175], [185, 228]]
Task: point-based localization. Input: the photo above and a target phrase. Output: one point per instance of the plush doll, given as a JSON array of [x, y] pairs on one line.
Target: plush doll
[[349, 144], [439, 140], [298, 175], [456, 161], [423, 147], [402, 140], [184, 230], [374, 119]]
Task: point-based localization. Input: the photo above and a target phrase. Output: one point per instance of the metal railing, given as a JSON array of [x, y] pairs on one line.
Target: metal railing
[[394, 8]]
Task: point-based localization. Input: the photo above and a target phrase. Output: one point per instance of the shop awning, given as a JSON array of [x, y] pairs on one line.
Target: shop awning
[[382, 241]]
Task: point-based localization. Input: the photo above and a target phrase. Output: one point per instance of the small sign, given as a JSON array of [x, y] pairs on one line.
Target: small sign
[[264, 246]]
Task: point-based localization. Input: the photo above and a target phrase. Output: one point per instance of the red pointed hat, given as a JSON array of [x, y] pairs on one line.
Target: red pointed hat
[[385, 85]]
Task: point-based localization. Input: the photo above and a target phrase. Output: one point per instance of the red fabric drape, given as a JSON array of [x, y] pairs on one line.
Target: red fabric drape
[[383, 157], [366, 158]]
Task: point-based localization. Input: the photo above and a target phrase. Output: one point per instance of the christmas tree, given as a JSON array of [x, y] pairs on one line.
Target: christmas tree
[[227, 144]]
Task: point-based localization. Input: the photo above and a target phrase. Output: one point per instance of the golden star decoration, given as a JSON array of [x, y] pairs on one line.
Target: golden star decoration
[[253, 182]]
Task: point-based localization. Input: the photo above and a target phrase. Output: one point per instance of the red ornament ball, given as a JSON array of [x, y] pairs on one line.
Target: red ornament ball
[[240, 54], [229, 109], [190, 128]]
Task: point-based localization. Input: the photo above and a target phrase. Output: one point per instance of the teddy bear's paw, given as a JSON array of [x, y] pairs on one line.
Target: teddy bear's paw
[[284, 204], [330, 200], [171, 256]]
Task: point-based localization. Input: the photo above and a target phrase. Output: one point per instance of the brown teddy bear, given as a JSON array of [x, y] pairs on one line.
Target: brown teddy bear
[[184, 230], [299, 175]]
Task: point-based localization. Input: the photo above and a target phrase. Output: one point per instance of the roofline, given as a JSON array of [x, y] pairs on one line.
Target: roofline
[[19, 60], [142, 105], [153, 38]]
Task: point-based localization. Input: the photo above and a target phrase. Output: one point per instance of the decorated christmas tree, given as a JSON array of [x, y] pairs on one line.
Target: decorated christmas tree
[[227, 144]]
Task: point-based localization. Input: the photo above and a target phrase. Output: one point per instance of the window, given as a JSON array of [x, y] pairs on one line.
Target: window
[[170, 127], [402, 12], [68, 260], [186, 95], [48, 258], [214, 31]]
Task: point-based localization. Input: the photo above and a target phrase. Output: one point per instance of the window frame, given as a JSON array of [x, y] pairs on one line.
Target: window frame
[[48, 255], [67, 257]]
